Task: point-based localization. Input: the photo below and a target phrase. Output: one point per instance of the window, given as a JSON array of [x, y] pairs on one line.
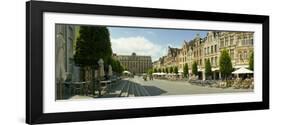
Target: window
[[215, 48], [245, 55], [251, 41], [205, 51], [221, 42], [231, 40], [226, 41], [244, 42], [215, 60]]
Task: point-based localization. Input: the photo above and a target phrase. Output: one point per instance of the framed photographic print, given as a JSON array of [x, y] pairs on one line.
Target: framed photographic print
[[95, 62]]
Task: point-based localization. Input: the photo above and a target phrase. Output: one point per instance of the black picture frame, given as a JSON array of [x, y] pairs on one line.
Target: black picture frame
[[34, 61]]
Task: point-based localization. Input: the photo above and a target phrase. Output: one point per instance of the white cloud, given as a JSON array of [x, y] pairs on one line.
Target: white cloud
[[139, 45]]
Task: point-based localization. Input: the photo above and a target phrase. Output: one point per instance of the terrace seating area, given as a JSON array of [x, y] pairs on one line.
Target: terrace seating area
[[169, 76], [89, 88], [235, 83]]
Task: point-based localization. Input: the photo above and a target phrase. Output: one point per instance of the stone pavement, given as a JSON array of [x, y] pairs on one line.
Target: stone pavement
[[132, 87]]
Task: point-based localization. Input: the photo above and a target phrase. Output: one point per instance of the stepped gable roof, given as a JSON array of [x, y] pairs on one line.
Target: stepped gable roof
[[173, 51]]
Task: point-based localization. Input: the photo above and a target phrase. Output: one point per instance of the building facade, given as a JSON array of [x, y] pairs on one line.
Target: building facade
[[136, 64], [238, 44], [64, 64]]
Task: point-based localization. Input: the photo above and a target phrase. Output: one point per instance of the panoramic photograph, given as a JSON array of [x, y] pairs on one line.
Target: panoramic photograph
[[93, 62]]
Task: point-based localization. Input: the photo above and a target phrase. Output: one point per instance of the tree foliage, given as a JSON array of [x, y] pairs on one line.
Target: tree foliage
[[92, 44], [185, 70], [116, 66], [150, 71], [208, 68], [155, 70], [176, 70], [171, 70], [194, 68], [225, 64], [166, 70], [251, 61]]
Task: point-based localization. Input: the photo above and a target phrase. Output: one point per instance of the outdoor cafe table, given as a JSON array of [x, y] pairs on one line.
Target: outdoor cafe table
[[73, 86], [106, 82]]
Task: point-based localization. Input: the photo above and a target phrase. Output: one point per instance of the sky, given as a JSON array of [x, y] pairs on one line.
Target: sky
[[149, 41]]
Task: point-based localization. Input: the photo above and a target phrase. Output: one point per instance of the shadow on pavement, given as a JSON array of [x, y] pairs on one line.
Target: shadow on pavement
[[151, 90], [154, 91], [135, 89]]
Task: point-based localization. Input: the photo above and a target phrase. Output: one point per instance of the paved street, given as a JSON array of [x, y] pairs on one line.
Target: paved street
[[138, 87]]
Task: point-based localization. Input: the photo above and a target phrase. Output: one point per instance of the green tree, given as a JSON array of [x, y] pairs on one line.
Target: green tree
[[166, 70], [208, 69], [185, 70], [120, 68], [114, 65], [92, 44], [251, 62], [194, 68], [154, 70], [225, 64], [171, 69], [176, 70], [150, 71]]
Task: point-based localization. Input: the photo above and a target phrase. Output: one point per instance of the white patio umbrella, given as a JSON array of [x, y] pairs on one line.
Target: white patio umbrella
[[110, 70], [101, 68], [126, 72], [243, 71], [180, 71]]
